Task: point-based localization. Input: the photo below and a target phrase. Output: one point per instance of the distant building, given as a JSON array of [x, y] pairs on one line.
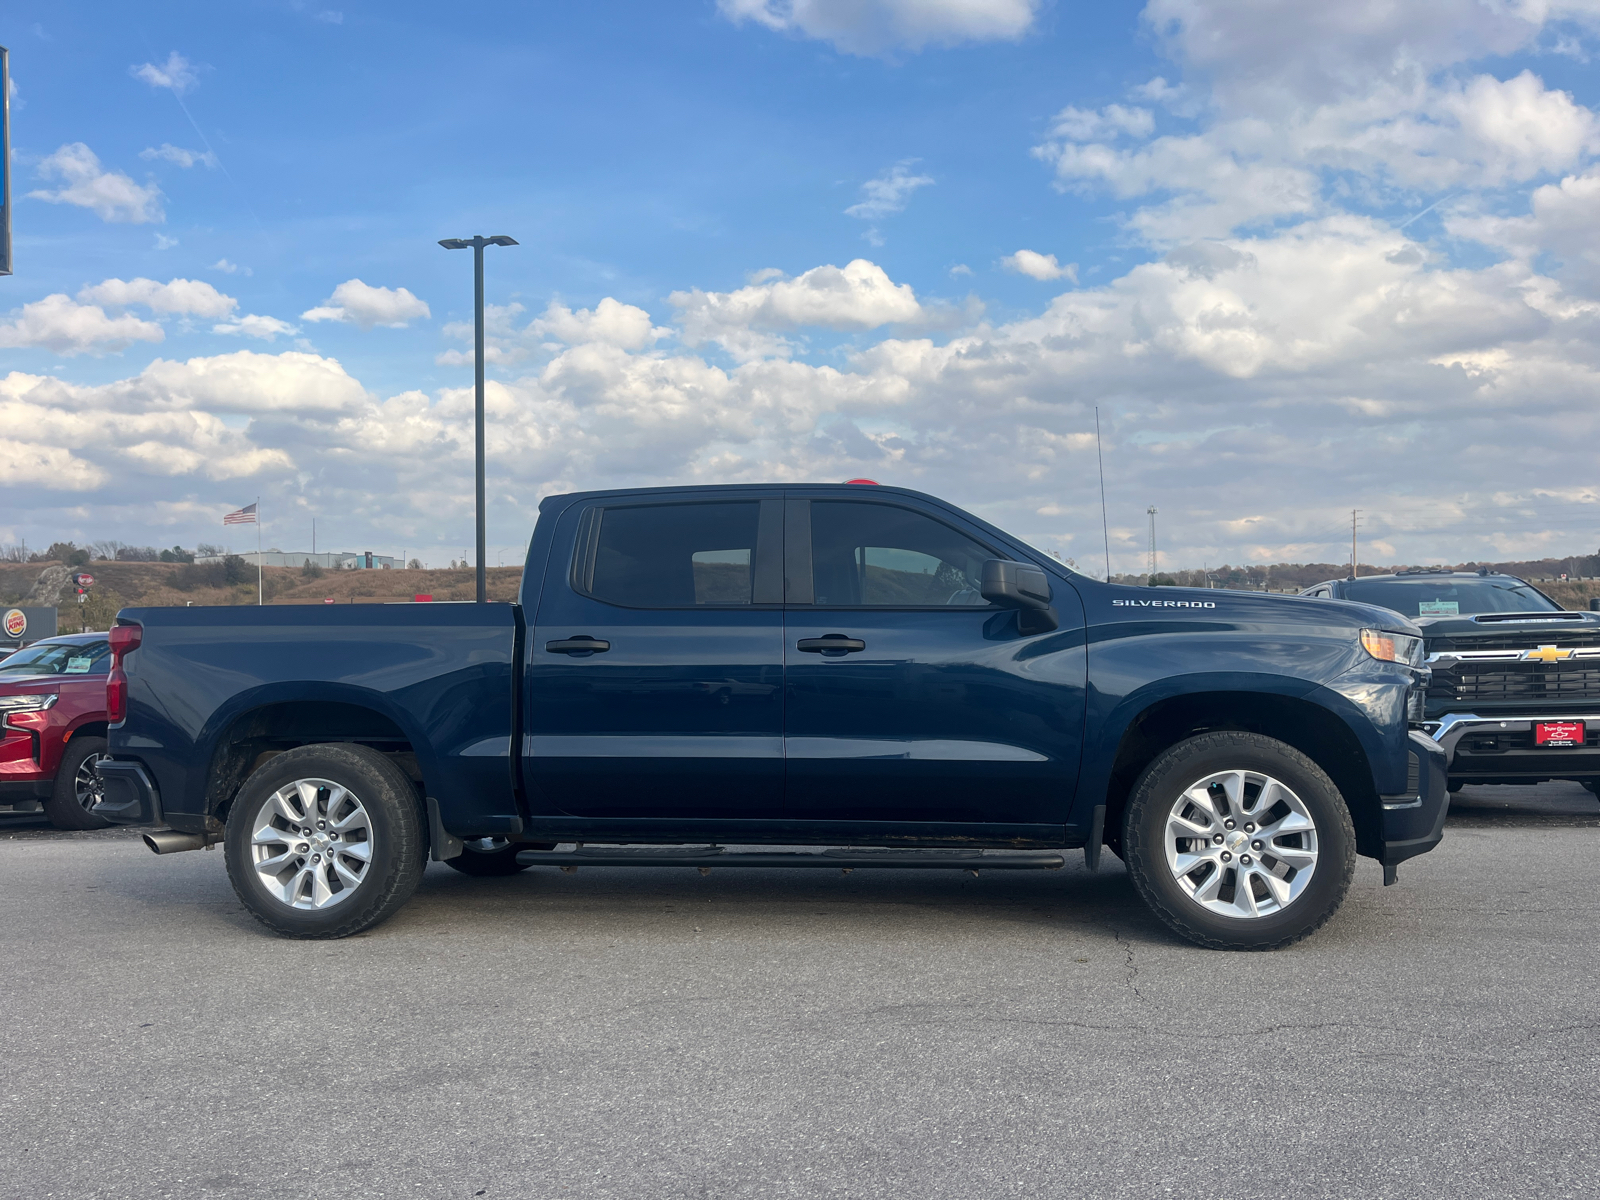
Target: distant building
[[342, 561]]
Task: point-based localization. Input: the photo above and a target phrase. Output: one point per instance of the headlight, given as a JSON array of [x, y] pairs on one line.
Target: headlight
[[34, 703], [1392, 647]]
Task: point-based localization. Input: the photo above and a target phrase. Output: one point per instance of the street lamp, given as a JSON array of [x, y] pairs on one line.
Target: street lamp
[[477, 244]]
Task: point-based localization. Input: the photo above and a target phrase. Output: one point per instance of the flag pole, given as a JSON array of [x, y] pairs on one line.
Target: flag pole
[[261, 591]]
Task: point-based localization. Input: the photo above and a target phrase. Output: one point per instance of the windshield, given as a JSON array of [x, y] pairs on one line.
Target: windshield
[[59, 658], [1447, 597]]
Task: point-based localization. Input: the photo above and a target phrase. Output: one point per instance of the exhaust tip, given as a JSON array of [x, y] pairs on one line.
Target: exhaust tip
[[170, 841]]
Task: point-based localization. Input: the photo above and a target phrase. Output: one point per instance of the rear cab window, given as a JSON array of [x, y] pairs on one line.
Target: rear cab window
[[673, 555]]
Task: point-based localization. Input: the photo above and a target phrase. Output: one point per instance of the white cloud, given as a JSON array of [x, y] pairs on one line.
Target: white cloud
[[859, 296], [1087, 125], [111, 195], [889, 192], [167, 152], [57, 323], [330, 16], [266, 328], [1216, 361], [875, 26], [367, 306], [1039, 266], [609, 323], [163, 242], [192, 297], [1560, 222], [228, 268], [177, 74]]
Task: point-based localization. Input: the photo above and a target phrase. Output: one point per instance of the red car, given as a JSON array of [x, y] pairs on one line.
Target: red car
[[53, 728]]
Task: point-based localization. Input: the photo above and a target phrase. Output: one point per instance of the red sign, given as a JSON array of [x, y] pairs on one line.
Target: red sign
[[84, 580], [1558, 733], [421, 598], [329, 600]]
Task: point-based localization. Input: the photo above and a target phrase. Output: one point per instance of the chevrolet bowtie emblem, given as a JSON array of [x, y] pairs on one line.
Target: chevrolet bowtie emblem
[[1547, 654]]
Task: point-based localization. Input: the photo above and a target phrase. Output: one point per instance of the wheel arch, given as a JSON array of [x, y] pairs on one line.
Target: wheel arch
[[270, 721], [1315, 731]]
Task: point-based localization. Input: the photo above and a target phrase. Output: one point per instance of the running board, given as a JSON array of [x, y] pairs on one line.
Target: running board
[[841, 858]]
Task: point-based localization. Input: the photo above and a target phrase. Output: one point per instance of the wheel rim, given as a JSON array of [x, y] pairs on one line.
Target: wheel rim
[[311, 843], [87, 784], [1241, 844]]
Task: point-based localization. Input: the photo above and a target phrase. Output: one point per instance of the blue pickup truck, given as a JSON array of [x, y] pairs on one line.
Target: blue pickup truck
[[854, 676]]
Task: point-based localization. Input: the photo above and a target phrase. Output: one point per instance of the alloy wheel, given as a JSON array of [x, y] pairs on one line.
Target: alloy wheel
[[311, 844], [87, 785], [1241, 844]]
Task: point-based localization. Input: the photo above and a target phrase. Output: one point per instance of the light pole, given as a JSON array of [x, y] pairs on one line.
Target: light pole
[[477, 243]]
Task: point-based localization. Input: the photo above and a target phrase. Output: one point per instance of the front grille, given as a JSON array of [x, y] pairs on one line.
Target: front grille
[[1475, 682]]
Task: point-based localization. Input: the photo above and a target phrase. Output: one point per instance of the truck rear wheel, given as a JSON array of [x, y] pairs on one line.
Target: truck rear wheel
[[1239, 842], [325, 841]]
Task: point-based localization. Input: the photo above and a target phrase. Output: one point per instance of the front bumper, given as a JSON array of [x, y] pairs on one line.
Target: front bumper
[[130, 796], [1413, 821], [1501, 747]]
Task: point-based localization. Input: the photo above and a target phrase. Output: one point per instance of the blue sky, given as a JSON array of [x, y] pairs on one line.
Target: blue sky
[[1229, 194]]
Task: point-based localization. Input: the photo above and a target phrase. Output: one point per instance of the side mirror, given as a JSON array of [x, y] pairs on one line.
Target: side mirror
[[1022, 587]]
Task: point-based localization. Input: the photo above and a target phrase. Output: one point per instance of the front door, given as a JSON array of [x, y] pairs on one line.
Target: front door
[[677, 709], [911, 698]]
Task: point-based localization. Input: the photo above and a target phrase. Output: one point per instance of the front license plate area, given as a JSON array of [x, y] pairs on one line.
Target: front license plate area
[[1558, 734]]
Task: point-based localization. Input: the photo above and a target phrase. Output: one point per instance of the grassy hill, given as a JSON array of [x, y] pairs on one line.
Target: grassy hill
[[129, 584]]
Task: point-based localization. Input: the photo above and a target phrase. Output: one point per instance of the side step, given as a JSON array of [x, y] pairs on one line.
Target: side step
[[841, 858]]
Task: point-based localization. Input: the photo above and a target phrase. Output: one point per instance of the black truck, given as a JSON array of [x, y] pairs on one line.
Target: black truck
[[1515, 689], [796, 676]]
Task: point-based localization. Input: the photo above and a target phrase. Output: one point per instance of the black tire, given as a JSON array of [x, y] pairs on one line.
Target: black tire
[[395, 842], [77, 788], [1455, 785], [1159, 789], [484, 857], [1593, 785]]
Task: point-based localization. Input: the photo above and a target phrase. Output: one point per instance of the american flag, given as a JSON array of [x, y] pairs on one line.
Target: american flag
[[245, 516]]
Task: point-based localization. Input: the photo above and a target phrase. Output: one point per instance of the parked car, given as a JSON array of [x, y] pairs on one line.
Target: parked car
[[864, 669], [1515, 690], [53, 728]]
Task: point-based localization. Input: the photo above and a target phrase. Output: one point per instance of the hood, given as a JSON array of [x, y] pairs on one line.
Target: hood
[[1133, 601], [1500, 626]]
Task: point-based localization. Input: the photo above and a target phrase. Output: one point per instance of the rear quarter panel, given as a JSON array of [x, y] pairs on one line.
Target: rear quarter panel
[[441, 672]]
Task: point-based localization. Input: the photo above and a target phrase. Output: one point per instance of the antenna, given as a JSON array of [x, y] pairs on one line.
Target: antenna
[[1105, 526], [1152, 511], [1355, 520]]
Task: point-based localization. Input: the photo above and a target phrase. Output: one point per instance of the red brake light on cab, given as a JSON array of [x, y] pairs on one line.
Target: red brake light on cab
[[869, 482], [124, 640]]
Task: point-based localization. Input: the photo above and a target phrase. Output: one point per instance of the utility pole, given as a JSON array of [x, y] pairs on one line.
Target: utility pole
[[1355, 519], [1152, 511]]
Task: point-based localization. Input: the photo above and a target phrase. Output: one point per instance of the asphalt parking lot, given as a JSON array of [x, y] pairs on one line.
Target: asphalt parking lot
[[656, 1033]]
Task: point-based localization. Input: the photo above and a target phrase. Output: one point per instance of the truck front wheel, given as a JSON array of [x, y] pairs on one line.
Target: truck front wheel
[[1238, 841], [325, 841]]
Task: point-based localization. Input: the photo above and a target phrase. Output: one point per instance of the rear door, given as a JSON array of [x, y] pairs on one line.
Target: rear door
[[655, 662], [929, 705]]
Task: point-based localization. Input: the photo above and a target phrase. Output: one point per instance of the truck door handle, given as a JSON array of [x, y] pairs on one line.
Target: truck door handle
[[582, 644], [833, 643]]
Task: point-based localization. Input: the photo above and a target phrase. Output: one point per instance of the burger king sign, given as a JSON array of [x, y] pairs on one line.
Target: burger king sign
[[16, 623]]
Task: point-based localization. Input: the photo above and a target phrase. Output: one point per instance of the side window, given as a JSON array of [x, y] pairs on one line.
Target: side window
[[673, 555], [878, 554]]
